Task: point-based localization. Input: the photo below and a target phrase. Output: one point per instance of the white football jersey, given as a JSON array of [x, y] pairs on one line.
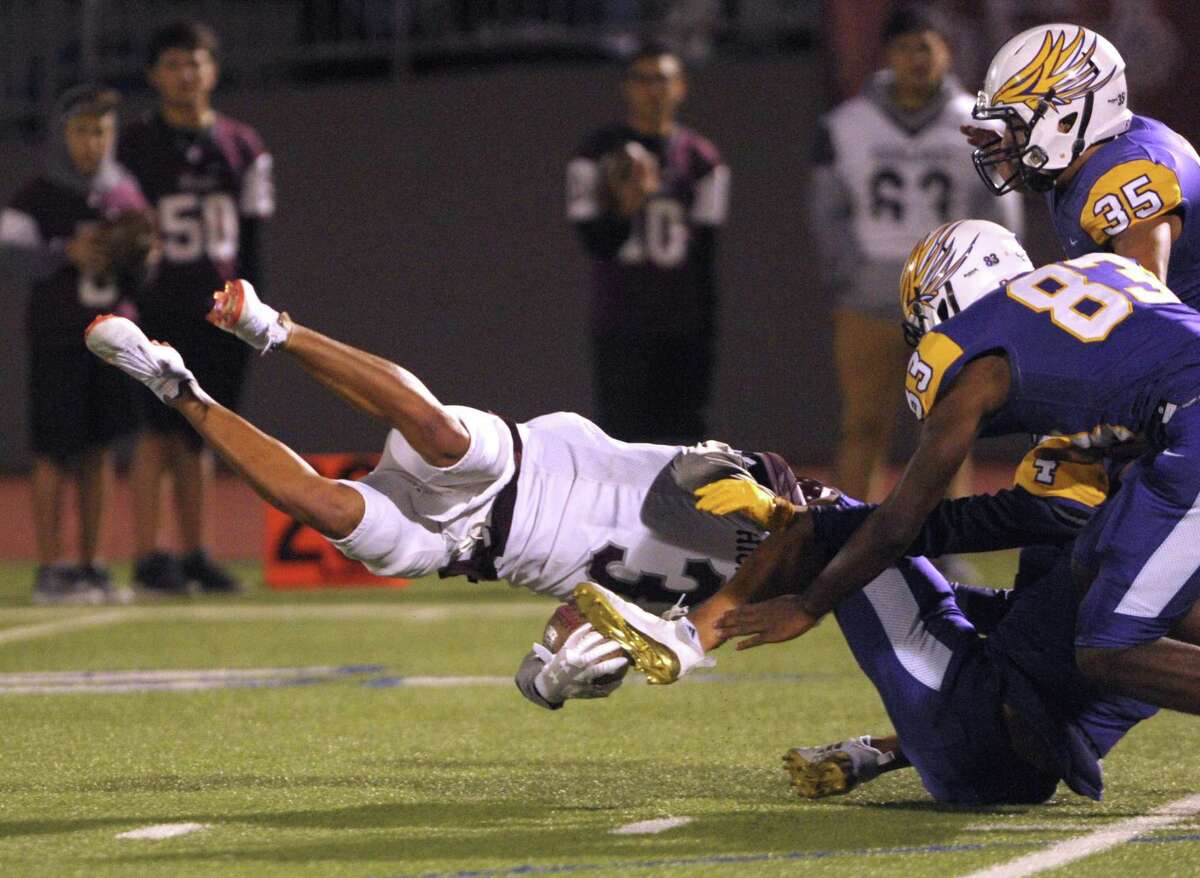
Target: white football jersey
[[903, 182], [588, 507]]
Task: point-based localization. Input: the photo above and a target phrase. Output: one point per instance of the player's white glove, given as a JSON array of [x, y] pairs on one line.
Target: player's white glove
[[572, 672]]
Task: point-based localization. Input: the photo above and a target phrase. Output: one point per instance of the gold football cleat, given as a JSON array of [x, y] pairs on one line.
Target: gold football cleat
[[630, 627], [831, 775]]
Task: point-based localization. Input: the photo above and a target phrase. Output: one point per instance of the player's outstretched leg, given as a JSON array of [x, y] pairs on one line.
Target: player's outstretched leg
[[371, 384], [272, 469]]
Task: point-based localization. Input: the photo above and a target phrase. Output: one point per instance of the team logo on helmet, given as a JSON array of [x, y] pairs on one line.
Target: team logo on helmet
[[1059, 73], [930, 266]]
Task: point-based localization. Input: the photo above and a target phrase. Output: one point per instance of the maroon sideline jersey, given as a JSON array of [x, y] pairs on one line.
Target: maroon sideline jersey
[[44, 213], [654, 273], [202, 185]]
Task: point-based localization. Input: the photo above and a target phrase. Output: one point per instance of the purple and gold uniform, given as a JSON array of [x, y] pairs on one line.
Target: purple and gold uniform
[[962, 670], [1146, 172], [1101, 352], [211, 188]]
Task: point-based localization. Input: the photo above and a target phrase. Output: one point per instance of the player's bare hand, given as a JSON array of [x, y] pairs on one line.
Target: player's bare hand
[[87, 251], [978, 136], [774, 621]]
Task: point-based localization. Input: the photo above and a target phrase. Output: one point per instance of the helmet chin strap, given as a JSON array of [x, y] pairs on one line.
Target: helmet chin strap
[[1080, 144], [1043, 107]]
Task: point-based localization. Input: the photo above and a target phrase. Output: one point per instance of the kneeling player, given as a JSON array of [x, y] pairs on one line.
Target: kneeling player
[[542, 504]]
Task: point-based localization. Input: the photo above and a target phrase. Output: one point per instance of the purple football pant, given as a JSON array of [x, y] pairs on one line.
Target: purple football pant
[[1145, 546], [943, 695]]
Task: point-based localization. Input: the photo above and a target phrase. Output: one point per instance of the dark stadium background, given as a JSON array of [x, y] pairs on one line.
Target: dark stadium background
[[421, 207]]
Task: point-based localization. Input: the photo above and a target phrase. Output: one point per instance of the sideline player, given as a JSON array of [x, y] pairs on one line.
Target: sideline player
[[209, 179], [980, 684], [1094, 348], [58, 232], [1114, 181], [647, 198], [889, 165], [543, 504]]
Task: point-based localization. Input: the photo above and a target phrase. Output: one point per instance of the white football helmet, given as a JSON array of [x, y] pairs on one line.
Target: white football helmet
[[953, 267], [1058, 88]]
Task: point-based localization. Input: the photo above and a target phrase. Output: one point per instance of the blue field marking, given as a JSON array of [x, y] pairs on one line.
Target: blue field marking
[[173, 680], [745, 859]]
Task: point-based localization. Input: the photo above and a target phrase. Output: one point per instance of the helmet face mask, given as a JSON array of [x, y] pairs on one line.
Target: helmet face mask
[[1058, 89], [1010, 162]]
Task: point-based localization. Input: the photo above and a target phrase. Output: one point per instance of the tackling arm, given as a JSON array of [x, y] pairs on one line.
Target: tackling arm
[[946, 439], [948, 434]]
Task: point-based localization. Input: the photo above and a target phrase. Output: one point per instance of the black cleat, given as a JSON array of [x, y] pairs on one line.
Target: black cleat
[[211, 578], [160, 574]]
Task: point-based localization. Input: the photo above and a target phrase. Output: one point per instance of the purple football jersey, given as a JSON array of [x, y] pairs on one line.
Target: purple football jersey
[[1096, 345], [660, 280], [62, 304], [201, 184], [1146, 172]]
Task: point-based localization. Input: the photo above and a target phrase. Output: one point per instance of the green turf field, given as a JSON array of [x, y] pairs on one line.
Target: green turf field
[[324, 766]]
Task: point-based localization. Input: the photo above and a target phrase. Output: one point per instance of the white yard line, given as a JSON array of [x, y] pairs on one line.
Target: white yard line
[[271, 612], [61, 626], [397, 612], [1053, 827], [1094, 842], [651, 827], [163, 830]]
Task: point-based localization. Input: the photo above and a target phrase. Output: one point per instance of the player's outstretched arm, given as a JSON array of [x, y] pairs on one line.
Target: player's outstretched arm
[[946, 438], [785, 562]]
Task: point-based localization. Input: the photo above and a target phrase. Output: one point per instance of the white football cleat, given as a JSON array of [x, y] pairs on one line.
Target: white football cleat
[[121, 343], [238, 310], [664, 650]]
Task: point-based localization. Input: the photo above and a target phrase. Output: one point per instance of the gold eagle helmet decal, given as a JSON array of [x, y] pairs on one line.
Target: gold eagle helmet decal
[[930, 265], [1060, 72]]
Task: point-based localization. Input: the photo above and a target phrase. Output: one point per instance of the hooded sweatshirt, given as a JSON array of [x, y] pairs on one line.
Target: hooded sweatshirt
[[42, 218]]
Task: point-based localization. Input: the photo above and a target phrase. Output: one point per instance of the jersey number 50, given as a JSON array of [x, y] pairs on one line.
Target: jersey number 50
[[195, 225]]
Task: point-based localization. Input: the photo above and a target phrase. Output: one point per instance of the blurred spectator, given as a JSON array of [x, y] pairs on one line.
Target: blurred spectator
[[1145, 39], [889, 167], [59, 232], [210, 180], [647, 197]]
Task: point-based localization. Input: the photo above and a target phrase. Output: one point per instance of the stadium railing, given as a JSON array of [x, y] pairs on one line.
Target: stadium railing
[[48, 45]]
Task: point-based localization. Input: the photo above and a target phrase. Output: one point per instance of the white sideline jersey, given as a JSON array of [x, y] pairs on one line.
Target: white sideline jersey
[[588, 507], [902, 181]]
